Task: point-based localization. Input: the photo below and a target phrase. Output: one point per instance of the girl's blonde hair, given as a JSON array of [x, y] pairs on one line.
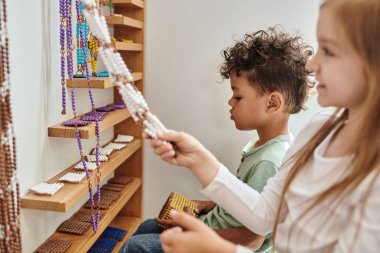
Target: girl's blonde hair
[[360, 23]]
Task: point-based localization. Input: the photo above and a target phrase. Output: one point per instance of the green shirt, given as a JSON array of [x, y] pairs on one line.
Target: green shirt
[[257, 165]]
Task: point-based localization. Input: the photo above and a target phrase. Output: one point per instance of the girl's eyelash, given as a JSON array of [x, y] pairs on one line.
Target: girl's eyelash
[[327, 51]]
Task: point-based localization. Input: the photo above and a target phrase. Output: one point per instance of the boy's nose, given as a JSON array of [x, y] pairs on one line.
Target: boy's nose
[[230, 103]]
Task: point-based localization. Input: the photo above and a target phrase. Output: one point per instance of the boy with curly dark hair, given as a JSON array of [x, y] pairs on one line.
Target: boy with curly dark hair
[[269, 80]]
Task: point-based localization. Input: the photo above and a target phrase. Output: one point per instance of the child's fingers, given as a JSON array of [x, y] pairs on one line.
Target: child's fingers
[[168, 155], [145, 136], [168, 238], [155, 143], [171, 135], [162, 149]]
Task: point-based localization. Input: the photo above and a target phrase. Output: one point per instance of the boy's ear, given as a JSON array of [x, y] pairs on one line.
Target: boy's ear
[[275, 101]]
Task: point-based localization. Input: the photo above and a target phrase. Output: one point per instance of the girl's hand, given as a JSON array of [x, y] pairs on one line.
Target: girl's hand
[[182, 149], [169, 222], [193, 236]]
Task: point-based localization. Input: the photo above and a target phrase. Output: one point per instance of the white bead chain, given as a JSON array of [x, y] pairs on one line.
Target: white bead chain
[[119, 72]]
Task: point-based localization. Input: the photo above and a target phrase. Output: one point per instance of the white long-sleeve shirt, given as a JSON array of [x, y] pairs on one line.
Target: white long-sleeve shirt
[[329, 227]]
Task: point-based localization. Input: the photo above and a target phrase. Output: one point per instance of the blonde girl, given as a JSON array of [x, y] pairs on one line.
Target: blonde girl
[[326, 197]]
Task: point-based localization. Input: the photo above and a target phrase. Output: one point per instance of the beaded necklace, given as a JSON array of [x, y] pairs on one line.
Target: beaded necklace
[[82, 39], [120, 74], [112, 10], [62, 25], [82, 31], [10, 236], [66, 13], [93, 45]]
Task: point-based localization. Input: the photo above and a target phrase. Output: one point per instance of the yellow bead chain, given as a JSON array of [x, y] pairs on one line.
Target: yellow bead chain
[[93, 46]]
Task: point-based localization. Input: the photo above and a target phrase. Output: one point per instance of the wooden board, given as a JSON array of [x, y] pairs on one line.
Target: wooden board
[[128, 3], [98, 82], [86, 132], [71, 194], [125, 46], [124, 21]]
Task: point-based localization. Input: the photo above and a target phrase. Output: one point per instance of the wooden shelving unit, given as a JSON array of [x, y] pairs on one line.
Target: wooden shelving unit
[[82, 243], [126, 211], [88, 131], [98, 82], [70, 194], [126, 46], [128, 3], [124, 21]]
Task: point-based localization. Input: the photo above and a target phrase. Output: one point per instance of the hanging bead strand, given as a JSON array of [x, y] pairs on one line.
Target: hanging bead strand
[[62, 24], [120, 74], [69, 39], [82, 31], [10, 235], [69, 59]]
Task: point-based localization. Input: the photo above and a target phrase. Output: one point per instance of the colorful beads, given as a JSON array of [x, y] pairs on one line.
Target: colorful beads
[[110, 5], [82, 54], [82, 27], [102, 74], [127, 41], [97, 74], [82, 66], [79, 75], [93, 45]]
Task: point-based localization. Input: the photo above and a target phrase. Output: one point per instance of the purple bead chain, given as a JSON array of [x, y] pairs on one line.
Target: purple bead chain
[[92, 101], [95, 221], [69, 49], [69, 38], [62, 14], [65, 12]]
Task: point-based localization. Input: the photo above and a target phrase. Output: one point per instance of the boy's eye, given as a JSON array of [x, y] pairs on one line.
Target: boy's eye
[[237, 97]]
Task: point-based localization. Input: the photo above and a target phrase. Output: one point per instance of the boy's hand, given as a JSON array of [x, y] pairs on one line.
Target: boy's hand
[[188, 152], [193, 236], [166, 222], [204, 206]]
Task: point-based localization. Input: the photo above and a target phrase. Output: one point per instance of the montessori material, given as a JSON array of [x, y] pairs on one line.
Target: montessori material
[[177, 202]]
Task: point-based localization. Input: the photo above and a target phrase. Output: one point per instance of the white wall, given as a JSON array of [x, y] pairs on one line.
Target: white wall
[[183, 44]]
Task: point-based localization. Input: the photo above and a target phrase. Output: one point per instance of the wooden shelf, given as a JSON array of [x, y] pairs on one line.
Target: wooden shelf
[[129, 224], [124, 21], [126, 211], [82, 243], [98, 82], [128, 3], [125, 46], [95, 83], [70, 194], [86, 132]]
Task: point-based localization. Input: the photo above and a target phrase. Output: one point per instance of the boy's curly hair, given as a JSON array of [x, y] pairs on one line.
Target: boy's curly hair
[[272, 60]]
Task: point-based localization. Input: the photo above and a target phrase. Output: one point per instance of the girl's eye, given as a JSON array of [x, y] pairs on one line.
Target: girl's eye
[[326, 51], [237, 97]]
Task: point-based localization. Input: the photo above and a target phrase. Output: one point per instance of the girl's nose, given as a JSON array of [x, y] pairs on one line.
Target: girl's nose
[[313, 64]]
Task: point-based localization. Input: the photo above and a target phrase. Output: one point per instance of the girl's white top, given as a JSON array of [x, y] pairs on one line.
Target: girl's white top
[[329, 227]]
